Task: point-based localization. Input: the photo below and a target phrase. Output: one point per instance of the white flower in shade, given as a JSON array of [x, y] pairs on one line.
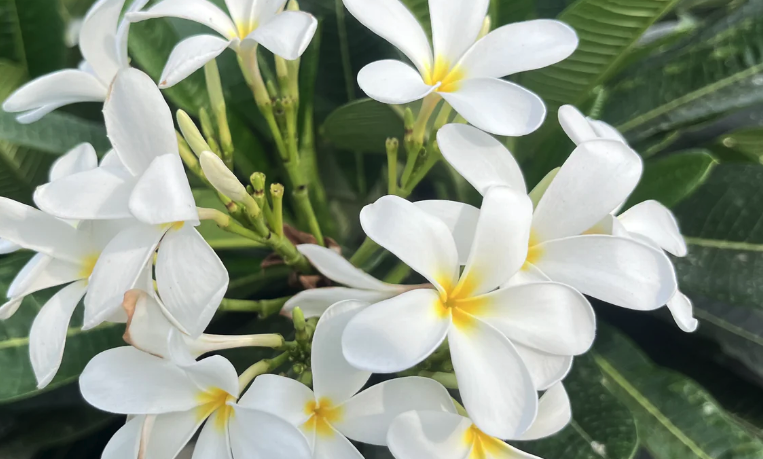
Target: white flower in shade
[[103, 44], [596, 178], [649, 222], [463, 70], [335, 411], [251, 22], [172, 400], [440, 435], [145, 179], [480, 322]]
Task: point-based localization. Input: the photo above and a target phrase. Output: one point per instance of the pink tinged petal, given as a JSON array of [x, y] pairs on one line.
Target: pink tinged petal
[[286, 35], [392, 82], [140, 128], [396, 334], [519, 47], [97, 38], [10, 307], [549, 317], [171, 432], [189, 56], [455, 27], [367, 416], [258, 435], [201, 11], [42, 272], [125, 444], [47, 336], [334, 445], [480, 158], [575, 125], [79, 159], [163, 195], [125, 380], [500, 242], [55, 90], [98, 194], [191, 279], [619, 271], [681, 308], [315, 302], [430, 435], [497, 106], [654, 221], [119, 269], [545, 369], [495, 385], [213, 441], [333, 377], [595, 179], [461, 220], [420, 240], [554, 413], [392, 21], [334, 266], [279, 396], [147, 327]]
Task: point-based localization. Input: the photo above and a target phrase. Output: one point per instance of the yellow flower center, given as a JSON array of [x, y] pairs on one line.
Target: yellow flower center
[[322, 413], [214, 400], [534, 253], [456, 302], [483, 445], [245, 28], [88, 265], [449, 78]]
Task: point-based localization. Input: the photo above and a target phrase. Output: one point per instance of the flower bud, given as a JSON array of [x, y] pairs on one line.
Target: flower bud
[[191, 133], [222, 178]]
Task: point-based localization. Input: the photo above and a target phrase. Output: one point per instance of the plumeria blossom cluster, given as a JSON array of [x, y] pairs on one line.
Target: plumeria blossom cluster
[[504, 307]]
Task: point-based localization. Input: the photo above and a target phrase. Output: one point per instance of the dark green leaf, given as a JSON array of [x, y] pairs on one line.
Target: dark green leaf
[[363, 125], [503, 12], [746, 141], [40, 34], [56, 133]]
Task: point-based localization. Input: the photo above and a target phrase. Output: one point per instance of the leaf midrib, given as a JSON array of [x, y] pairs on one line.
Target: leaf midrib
[[725, 245]]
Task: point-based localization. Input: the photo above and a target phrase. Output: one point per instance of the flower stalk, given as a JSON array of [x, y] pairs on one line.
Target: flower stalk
[[263, 308]]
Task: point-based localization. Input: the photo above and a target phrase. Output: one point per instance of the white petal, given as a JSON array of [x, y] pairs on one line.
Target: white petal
[[497, 106], [286, 35], [125, 444], [279, 396], [101, 193], [111, 160], [201, 11], [97, 38], [140, 128], [316, 301], [7, 247], [654, 221], [605, 131], [35, 230], [123, 32], [41, 272], [554, 413], [189, 56], [47, 336], [191, 279], [333, 377], [596, 178], [10, 307], [455, 27], [213, 441], [495, 385], [242, 11], [258, 435], [681, 308], [527, 275], [213, 374], [56, 89], [334, 445], [429, 435], [392, 82], [519, 47], [367, 416], [171, 432], [545, 369], [421, 241], [549, 317], [500, 242], [118, 270], [619, 271], [32, 116], [481, 159], [127, 381], [396, 334], [163, 195], [79, 159], [391, 20], [461, 220], [337, 268], [147, 328], [575, 125]]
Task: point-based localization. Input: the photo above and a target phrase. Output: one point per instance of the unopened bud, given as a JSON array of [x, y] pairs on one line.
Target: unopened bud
[[222, 178], [191, 133], [293, 6]]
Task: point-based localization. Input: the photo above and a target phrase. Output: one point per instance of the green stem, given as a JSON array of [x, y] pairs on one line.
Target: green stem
[[398, 274], [265, 308], [260, 368], [344, 50]]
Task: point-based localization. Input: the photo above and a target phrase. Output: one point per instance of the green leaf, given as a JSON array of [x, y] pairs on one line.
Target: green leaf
[[38, 33], [746, 141], [670, 180], [601, 426], [18, 379], [675, 417], [363, 125], [56, 133], [503, 12]]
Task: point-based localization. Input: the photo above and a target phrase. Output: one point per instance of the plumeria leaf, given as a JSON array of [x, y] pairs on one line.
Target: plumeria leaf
[[363, 125], [56, 133], [32, 34]]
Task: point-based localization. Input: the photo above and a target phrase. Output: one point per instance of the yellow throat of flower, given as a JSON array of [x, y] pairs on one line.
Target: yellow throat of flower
[[244, 28], [483, 445], [456, 302], [88, 265], [449, 78], [214, 400], [322, 414]]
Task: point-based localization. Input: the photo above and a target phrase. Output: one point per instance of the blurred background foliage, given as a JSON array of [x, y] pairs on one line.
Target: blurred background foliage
[[681, 79]]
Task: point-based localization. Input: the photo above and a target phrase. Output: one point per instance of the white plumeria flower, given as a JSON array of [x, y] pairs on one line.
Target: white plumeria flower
[[649, 222], [440, 435], [465, 71], [146, 180], [103, 44], [251, 22], [179, 398], [480, 322], [596, 178], [336, 411]]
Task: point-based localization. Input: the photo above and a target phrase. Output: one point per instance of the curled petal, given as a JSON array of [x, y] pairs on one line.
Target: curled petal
[[189, 56], [286, 35], [392, 82]]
